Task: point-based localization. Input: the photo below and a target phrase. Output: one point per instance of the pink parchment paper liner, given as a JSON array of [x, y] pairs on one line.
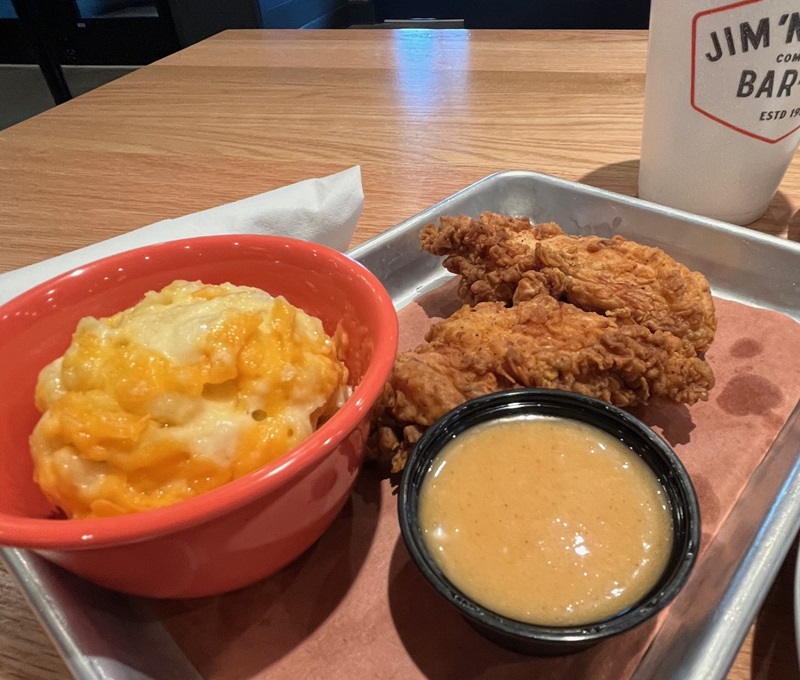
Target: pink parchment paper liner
[[354, 607]]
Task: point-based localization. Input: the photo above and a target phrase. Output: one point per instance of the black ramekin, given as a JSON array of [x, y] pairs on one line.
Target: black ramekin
[[547, 640]]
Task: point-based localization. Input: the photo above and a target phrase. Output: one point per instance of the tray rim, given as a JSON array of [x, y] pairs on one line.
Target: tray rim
[[24, 567]]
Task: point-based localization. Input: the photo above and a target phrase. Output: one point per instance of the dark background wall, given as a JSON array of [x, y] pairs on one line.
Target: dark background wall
[[588, 14], [137, 32]]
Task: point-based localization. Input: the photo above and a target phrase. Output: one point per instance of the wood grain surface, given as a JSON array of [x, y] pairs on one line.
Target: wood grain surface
[[424, 113]]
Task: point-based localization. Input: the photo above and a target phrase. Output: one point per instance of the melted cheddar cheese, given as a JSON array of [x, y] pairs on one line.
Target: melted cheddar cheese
[[193, 387]]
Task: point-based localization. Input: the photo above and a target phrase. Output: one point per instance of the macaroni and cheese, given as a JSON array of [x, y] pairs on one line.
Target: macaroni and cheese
[[194, 386]]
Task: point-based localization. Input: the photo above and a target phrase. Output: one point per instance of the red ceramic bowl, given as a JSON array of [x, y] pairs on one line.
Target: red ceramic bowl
[[240, 532]]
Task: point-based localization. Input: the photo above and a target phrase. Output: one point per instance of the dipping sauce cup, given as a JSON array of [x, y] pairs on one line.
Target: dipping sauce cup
[[620, 479]]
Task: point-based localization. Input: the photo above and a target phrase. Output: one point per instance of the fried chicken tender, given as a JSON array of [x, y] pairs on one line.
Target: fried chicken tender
[[608, 318], [538, 342], [491, 253], [628, 281]]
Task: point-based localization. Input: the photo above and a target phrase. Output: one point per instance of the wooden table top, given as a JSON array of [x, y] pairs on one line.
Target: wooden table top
[[424, 113]]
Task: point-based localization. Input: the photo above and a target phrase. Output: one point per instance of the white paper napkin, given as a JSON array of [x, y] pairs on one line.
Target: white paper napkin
[[324, 210]]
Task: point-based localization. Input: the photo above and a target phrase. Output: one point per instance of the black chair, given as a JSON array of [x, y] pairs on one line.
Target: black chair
[[419, 9], [84, 32], [39, 36]]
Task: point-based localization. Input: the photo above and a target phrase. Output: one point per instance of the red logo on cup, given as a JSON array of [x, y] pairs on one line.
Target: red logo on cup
[[746, 67]]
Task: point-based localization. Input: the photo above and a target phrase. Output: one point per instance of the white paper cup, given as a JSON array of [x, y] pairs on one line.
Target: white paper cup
[[722, 105]]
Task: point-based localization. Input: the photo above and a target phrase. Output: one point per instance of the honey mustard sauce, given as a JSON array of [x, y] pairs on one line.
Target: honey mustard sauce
[[546, 520]]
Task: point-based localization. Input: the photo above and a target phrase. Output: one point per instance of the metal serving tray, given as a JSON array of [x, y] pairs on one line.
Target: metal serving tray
[[105, 635]]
